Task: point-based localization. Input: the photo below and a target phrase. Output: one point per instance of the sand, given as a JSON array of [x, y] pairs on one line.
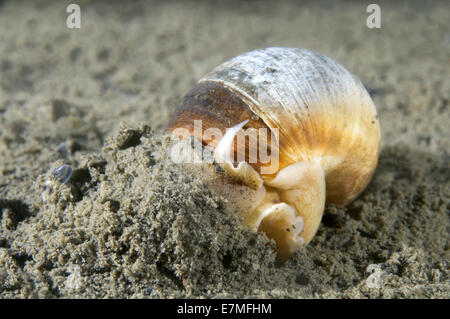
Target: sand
[[130, 223]]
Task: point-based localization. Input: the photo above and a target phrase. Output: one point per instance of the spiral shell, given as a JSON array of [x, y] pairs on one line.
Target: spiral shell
[[327, 134]]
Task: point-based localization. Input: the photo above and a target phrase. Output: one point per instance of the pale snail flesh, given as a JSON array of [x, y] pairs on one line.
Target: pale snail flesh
[[327, 141]]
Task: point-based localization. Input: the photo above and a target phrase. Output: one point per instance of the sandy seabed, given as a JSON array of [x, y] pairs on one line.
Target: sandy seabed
[[130, 223]]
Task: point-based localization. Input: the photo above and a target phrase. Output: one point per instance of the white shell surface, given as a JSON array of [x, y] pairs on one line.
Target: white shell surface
[[298, 85], [289, 76], [327, 130]]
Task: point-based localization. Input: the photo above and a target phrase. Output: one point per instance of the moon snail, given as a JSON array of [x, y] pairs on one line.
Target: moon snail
[[322, 126]]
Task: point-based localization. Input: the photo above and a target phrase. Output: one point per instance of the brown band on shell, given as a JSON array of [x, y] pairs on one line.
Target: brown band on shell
[[217, 107]]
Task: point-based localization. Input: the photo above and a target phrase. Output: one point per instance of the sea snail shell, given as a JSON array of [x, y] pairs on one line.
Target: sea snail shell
[[327, 135]]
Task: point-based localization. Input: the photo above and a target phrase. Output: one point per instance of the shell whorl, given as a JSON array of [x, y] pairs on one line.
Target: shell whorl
[[322, 112], [322, 124]]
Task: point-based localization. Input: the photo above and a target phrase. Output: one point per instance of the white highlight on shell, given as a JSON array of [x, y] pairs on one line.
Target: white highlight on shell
[[222, 153], [243, 172]]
